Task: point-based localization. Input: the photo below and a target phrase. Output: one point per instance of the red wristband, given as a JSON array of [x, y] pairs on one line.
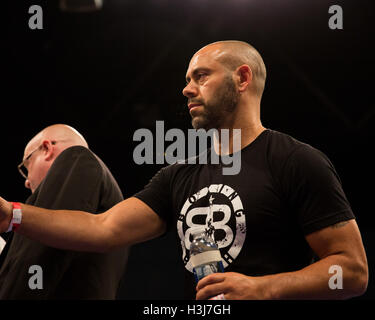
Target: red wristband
[[16, 217]]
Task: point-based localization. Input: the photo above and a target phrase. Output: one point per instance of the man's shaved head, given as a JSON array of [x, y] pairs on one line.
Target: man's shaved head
[[44, 148], [61, 133], [233, 53]]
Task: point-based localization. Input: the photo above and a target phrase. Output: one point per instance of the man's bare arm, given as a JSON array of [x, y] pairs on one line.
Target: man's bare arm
[[339, 245], [129, 222]]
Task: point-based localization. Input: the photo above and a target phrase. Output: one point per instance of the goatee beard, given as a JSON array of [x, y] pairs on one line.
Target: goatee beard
[[222, 105]]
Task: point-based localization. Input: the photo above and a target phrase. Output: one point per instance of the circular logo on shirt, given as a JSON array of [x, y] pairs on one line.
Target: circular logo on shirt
[[217, 207]]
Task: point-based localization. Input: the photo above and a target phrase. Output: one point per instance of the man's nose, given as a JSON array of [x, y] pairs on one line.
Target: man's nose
[[190, 90]]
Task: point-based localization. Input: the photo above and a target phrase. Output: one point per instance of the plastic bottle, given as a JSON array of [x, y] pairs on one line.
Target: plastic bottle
[[205, 255]]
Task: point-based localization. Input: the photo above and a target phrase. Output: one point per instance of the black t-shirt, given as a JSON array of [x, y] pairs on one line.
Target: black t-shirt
[[285, 190], [77, 180]]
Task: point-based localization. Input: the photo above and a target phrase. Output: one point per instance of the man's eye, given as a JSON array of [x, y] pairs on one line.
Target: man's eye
[[201, 76]]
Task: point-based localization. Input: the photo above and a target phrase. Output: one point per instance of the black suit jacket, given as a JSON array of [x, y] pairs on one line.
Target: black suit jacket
[[77, 180]]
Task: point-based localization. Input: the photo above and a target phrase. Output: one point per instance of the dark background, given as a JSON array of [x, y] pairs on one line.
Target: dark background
[[110, 72]]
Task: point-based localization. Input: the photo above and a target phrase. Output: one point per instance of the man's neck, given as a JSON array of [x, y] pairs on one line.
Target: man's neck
[[231, 140]]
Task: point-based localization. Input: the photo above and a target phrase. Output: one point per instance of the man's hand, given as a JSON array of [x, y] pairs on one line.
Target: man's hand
[[5, 214], [234, 286]]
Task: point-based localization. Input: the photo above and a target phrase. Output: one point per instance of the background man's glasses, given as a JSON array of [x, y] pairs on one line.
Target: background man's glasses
[[22, 168]]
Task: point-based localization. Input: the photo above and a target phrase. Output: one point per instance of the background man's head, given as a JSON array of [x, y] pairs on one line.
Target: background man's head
[[44, 148], [221, 76]]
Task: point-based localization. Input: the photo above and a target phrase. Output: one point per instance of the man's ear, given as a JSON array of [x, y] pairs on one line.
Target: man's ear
[[48, 149], [245, 77]]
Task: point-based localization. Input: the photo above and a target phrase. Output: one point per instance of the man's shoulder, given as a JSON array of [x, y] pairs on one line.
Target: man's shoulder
[[284, 140], [78, 153], [86, 157], [284, 150], [76, 150], [282, 145], [76, 161]]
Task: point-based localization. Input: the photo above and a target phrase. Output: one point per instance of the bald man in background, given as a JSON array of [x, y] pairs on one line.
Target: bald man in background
[[285, 205], [62, 173]]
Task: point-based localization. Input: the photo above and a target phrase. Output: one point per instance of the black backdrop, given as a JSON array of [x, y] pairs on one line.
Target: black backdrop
[[110, 72]]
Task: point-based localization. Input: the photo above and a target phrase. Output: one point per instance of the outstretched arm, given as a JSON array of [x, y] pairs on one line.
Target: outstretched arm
[[129, 222], [338, 245]]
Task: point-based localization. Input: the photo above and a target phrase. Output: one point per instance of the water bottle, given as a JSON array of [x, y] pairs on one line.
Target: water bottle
[[205, 255]]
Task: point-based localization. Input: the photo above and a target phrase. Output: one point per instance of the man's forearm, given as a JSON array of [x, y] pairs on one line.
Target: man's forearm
[[313, 282], [64, 229]]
